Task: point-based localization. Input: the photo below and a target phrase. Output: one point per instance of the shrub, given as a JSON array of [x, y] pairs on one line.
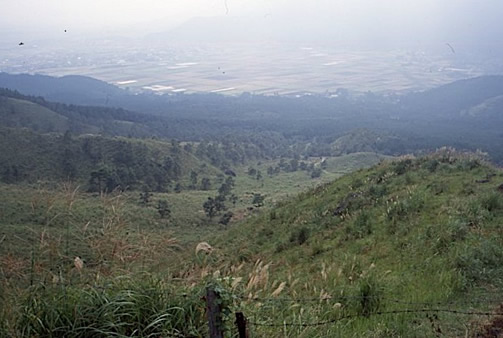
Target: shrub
[[356, 183], [280, 247], [401, 167], [474, 213], [317, 249], [492, 201], [368, 297], [299, 236], [438, 188], [377, 191], [431, 165], [481, 262], [455, 230], [470, 164], [362, 226]]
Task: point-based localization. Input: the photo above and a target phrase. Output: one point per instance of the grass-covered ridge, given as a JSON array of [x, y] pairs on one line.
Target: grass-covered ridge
[[403, 235], [424, 230]]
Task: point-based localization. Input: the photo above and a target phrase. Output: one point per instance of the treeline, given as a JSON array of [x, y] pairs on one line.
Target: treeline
[[234, 130]]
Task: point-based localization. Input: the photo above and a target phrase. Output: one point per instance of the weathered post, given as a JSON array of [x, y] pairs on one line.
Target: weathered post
[[241, 324], [214, 314]]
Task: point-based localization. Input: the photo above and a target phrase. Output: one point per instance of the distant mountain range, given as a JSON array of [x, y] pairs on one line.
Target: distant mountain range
[[68, 89], [448, 101]]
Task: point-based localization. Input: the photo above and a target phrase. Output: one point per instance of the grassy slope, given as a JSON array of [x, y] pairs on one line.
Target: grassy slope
[[29, 209], [417, 234], [423, 231]]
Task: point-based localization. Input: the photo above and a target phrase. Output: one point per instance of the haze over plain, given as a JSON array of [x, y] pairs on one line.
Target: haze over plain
[[269, 47]]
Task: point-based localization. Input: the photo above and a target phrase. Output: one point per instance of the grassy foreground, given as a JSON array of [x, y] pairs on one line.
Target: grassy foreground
[[409, 235]]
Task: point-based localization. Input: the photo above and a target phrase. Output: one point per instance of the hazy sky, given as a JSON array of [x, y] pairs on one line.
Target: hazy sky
[[369, 19], [20, 14]]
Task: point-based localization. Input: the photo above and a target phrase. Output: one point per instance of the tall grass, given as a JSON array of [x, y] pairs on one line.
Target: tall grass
[[140, 307]]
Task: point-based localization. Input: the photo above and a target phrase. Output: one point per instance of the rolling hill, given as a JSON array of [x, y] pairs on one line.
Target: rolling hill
[[406, 248], [411, 234]]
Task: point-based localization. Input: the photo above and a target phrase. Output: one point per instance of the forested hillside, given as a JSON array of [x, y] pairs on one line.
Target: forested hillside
[[280, 126], [97, 162]]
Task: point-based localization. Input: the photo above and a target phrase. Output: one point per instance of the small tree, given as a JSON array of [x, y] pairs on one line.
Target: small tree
[[205, 184], [226, 218], [220, 203], [294, 164], [259, 175], [145, 197], [226, 187], [188, 147], [258, 200], [252, 171], [270, 171], [178, 188], [316, 173], [210, 207], [163, 209], [193, 179], [230, 181], [233, 198]]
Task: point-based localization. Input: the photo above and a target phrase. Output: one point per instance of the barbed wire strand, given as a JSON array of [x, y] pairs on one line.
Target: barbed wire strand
[[379, 313], [345, 298]]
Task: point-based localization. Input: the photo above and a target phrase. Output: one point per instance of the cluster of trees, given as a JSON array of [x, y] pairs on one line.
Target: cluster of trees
[[214, 206], [196, 184], [162, 206], [99, 163], [129, 165], [294, 164]]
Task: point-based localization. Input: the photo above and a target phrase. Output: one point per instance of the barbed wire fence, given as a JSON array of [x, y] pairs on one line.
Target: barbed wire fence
[[243, 323]]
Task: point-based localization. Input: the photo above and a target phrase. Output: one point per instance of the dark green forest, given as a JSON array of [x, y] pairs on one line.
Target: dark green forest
[[273, 126]]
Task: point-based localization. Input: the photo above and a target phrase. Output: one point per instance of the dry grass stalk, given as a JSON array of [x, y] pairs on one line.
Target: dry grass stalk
[[259, 276], [280, 288], [324, 295], [236, 282], [13, 267], [70, 193]]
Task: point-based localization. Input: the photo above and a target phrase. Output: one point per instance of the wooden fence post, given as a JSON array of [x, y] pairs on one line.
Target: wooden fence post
[[213, 311], [241, 324]]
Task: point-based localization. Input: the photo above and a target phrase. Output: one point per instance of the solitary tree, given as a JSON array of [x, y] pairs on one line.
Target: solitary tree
[[193, 179], [226, 218], [210, 207], [145, 197], [258, 200], [205, 183], [316, 172], [252, 171], [259, 175], [270, 171], [178, 188], [163, 209], [233, 198]]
